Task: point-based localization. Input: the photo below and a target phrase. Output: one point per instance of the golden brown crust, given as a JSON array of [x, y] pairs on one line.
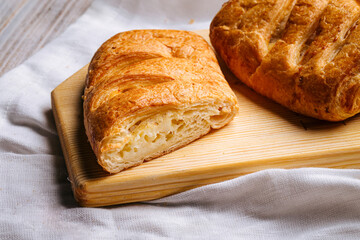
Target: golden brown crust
[[143, 71], [303, 54]]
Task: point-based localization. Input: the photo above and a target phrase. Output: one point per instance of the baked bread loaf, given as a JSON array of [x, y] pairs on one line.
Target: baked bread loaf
[[303, 54], [149, 92]]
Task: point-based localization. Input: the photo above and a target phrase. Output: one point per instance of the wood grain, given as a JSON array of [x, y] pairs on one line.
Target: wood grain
[[264, 135], [27, 25]]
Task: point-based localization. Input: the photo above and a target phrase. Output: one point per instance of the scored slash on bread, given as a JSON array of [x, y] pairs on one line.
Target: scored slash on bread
[[149, 92], [303, 54]]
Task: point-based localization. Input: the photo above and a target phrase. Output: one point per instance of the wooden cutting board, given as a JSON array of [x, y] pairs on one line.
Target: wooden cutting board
[[264, 135]]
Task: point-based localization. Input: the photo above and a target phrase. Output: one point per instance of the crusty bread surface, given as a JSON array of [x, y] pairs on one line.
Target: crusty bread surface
[[303, 54], [149, 92]]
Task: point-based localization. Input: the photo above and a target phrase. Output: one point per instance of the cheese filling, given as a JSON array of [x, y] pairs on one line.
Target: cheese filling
[[160, 133]]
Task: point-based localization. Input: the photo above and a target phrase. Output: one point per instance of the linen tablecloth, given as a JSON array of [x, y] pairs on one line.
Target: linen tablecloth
[[36, 200]]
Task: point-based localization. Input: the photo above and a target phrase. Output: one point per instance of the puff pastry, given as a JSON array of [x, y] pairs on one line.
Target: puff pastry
[[303, 54], [149, 92]]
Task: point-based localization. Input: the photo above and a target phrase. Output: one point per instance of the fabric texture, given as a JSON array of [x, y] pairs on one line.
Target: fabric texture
[[36, 200]]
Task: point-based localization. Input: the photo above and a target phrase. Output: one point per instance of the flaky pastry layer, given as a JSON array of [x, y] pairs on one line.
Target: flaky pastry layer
[[303, 54], [149, 92]]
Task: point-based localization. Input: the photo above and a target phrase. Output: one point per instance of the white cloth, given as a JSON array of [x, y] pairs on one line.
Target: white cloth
[[36, 201]]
